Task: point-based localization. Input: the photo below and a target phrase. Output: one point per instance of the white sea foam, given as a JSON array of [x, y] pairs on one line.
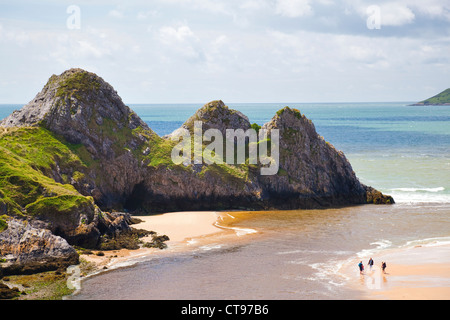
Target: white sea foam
[[429, 242], [420, 195], [192, 241], [328, 272], [380, 245], [210, 247], [419, 189], [239, 231], [331, 252]]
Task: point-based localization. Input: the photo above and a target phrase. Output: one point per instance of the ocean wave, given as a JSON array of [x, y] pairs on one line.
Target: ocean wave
[[428, 242], [414, 197], [380, 245], [438, 189]]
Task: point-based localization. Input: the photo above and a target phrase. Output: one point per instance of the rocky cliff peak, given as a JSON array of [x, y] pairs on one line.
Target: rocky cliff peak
[[309, 164], [83, 108], [216, 115]]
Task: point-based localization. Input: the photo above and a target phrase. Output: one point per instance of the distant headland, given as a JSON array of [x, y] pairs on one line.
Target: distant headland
[[441, 99]]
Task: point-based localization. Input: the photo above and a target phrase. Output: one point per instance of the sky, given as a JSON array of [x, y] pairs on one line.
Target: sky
[[195, 51]]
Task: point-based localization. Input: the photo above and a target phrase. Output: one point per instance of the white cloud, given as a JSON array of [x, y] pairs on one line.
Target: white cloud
[[395, 14], [116, 14], [253, 4], [87, 50], [213, 6], [169, 34], [432, 8], [181, 42], [404, 12], [144, 15], [293, 8], [221, 41], [249, 49]]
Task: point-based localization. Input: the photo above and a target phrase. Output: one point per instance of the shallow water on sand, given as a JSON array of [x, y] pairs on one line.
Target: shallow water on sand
[[292, 255]]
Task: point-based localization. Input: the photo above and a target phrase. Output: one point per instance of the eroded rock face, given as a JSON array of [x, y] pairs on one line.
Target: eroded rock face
[[26, 248], [310, 167]]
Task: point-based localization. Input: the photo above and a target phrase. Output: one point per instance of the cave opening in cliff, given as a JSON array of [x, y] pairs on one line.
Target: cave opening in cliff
[[137, 197]]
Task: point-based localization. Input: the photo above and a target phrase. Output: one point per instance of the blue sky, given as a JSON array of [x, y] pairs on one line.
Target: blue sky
[[194, 51]]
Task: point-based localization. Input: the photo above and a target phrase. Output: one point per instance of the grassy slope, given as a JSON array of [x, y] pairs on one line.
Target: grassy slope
[[27, 157], [441, 98]]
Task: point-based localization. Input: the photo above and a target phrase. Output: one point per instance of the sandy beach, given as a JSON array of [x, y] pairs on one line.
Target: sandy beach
[[421, 272], [181, 228]]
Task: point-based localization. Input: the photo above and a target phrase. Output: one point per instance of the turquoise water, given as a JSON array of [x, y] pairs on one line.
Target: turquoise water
[[399, 149]]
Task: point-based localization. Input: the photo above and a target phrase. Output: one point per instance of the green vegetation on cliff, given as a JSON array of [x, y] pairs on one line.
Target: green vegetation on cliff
[[63, 205], [3, 224], [40, 148], [28, 156], [442, 98], [76, 85]]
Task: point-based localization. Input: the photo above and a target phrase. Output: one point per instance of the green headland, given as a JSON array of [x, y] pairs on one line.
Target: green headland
[[441, 99]]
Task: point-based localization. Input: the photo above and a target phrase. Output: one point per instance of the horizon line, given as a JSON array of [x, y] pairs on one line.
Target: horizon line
[[270, 102]]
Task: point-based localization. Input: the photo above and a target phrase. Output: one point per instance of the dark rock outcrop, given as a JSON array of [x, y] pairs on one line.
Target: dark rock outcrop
[[27, 249], [8, 293]]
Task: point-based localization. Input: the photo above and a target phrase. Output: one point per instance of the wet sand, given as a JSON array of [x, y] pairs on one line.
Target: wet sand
[[414, 273]]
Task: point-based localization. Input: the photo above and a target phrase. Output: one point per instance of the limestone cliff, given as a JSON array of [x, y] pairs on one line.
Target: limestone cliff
[[311, 169], [124, 164]]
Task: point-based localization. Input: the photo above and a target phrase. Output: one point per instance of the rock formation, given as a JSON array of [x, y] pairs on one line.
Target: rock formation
[[314, 172], [27, 248], [76, 149]]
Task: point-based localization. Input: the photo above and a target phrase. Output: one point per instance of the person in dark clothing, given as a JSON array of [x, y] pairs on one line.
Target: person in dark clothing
[[370, 264], [361, 267], [383, 266]]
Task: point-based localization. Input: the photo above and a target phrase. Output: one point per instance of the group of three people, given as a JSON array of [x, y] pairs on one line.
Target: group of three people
[[370, 264]]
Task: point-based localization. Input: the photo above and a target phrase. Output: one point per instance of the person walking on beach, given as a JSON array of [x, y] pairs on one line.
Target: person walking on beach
[[370, 264], [383, 266], [361, 267]]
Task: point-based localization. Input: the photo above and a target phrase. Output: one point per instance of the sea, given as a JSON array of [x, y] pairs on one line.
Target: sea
[[399, 149]]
